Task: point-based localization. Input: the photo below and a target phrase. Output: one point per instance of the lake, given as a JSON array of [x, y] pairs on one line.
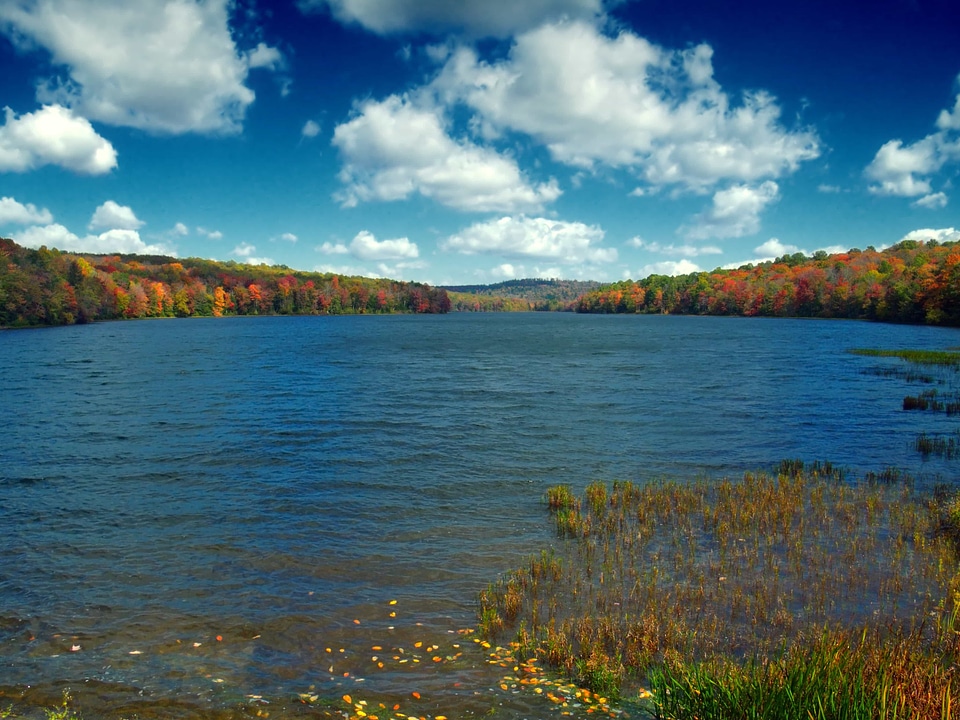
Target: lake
[[221, 515]]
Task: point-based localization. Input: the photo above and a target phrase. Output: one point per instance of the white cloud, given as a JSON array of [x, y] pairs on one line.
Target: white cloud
[[907, 170], [246, 251], [499, 18], [933, 201], [824, 188], [286, 237], [14, 212], [774, 248], [625, 102], [349, 270], [329, 248], [942, 235], [311, 129], [366, 247], [112, 241], [161, 65], [263, 56], [899, 169], [111, 216], [734, 212], [950, 119], [53, 135], [504, 271], [180, 229], [674, 250], [210, 234], [669, 267], [568, 242], [393, 149]]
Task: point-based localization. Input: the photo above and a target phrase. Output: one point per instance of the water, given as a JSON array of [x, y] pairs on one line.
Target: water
[[277, 482]]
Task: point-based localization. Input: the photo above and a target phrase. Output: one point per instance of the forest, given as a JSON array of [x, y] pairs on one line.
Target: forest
[[911, 282], [49, 287]]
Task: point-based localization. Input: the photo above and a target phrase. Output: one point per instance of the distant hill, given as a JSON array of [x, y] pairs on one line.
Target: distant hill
[[535, 294]]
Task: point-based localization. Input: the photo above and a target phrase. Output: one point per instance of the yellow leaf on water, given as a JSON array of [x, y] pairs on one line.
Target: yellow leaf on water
[[348, 700], [393, 602]]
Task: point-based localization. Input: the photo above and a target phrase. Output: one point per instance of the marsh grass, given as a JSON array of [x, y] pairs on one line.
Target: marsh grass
[[755, 581], [947, 358]]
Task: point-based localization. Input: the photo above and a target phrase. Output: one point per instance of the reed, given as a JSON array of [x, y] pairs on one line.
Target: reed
[[691, 581]]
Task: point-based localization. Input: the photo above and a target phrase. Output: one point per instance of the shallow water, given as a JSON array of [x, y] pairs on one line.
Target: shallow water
[[272, 480]]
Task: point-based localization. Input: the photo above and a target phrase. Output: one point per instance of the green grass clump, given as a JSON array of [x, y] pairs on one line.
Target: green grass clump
[[832, 676]]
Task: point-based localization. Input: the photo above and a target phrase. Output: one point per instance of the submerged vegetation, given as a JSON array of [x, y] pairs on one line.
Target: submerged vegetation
[[781, 592]]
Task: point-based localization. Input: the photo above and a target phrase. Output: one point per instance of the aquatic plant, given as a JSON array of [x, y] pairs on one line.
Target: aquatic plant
[[685, 578], [949, 358]]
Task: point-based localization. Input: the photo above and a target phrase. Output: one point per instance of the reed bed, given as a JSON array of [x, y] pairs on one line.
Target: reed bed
[[947, 358], [789, 584]]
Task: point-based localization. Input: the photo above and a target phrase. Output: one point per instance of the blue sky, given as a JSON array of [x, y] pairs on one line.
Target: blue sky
[[479, 140]]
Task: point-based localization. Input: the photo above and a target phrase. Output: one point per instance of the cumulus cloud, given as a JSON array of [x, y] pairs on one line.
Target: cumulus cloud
[[941, 235], [394, 148], [907, 170], [329, 248], [899, 170], [210, 234], [366, 247], [674, 250], [669, 267], [286, 237], [950, 119], [160, 65], [311, 129], [112, 241], [246, 251], [774, 248], [734, 212], [17, 213], [479, 18], [111, 216], [625, 102], [180, 229], [264, 56], [53, 135], [933, 201], [568, 242]]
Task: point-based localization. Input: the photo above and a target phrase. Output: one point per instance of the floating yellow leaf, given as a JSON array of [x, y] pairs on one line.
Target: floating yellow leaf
[[393, 602], [416, 695], [348, 700]]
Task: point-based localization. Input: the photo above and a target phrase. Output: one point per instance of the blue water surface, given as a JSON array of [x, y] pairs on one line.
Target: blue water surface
[[273, 480]]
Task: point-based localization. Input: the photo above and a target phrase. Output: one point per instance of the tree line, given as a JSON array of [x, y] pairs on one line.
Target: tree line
[[911, 282], [49, 287]]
